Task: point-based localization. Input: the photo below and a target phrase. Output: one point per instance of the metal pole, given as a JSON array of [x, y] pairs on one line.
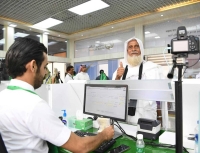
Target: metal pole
[[179, 113]]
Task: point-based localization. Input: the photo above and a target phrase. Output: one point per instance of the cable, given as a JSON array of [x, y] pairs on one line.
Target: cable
[[122, 130], [153, 144], [165, 56], [189, 67]]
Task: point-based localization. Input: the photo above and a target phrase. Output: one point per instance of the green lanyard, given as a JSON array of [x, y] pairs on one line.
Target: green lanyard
[[19, 88]]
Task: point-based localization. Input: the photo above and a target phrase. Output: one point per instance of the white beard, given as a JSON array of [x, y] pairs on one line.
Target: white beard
[[134, 60]]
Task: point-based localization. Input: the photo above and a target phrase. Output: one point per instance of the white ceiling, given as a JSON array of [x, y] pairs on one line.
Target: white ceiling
[[29, 12]]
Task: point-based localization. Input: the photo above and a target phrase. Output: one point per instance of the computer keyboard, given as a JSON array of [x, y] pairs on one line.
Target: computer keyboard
[[103, 147], [83, 134]]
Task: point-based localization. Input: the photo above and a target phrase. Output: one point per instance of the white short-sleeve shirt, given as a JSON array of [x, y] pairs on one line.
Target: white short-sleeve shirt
[[27, 122]]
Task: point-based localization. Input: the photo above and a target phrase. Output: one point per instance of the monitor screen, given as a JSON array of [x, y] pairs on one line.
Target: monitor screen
[[104, 100]]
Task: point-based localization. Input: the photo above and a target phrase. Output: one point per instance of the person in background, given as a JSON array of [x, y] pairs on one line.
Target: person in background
[[139, 69], [47, 79], [82, 75], [26, 120], [102, 76], [56, 76], [70, 73]]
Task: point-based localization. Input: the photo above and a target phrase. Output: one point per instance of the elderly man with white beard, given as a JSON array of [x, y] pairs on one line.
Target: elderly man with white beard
[[139, 69]]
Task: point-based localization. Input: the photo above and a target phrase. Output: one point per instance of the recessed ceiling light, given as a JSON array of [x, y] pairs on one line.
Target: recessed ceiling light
[[12, 25], [19, 34], [66, 41], [81, 35], [38, 35], [146, 32], [88, 7], [112, 41], [2, 41], [46, 33], [112, 27], [50, 22], [161, 15], [52, 43], [157, 37]]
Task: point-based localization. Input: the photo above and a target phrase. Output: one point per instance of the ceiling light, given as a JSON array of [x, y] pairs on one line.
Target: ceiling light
[[38, 35], [66, 41], [112, 27], [3, 28], [157, 37], [88, 7], [52, 43], [147, 32], [46, 33], [19, 34], [97, 42], [58, 35], [161, 15], [81, 35], [50, 22], [112, 41], [2, 41], [12, 25]]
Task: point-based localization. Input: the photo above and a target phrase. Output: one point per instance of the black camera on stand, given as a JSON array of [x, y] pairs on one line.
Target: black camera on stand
[[183, 43], [180, 48]]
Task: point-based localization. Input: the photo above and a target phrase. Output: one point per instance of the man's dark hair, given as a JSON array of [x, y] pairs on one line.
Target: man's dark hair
[[101, 71], [69, 68], [22, 51]]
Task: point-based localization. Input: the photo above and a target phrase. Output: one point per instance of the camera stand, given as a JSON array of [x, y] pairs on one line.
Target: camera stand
[[178, 101]]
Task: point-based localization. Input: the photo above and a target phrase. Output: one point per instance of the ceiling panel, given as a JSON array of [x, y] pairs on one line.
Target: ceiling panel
[[34, 11]]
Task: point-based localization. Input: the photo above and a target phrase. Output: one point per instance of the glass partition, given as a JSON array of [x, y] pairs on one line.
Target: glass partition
[[2, 40], [160, 34], [105, 44], [27, 34], [93, 68], [57, 46]]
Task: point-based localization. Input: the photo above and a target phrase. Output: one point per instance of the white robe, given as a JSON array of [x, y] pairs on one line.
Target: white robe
[[82, 76], [144, 109]]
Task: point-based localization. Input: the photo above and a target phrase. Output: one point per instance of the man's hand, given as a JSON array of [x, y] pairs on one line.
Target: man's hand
[[120, 72], [108, 133]]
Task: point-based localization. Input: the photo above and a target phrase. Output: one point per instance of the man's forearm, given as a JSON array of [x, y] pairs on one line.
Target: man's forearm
[[94, 142]]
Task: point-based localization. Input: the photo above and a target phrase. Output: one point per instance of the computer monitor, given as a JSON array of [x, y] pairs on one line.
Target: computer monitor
[[105, 100]]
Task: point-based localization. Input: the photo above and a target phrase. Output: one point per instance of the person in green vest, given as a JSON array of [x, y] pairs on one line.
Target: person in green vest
[[102, 76]]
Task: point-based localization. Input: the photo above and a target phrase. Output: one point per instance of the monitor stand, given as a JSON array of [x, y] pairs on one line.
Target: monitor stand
[[105, 122]]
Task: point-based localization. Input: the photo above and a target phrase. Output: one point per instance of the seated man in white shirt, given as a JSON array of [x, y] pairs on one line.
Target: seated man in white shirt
[[26, 120], [70, 73]]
